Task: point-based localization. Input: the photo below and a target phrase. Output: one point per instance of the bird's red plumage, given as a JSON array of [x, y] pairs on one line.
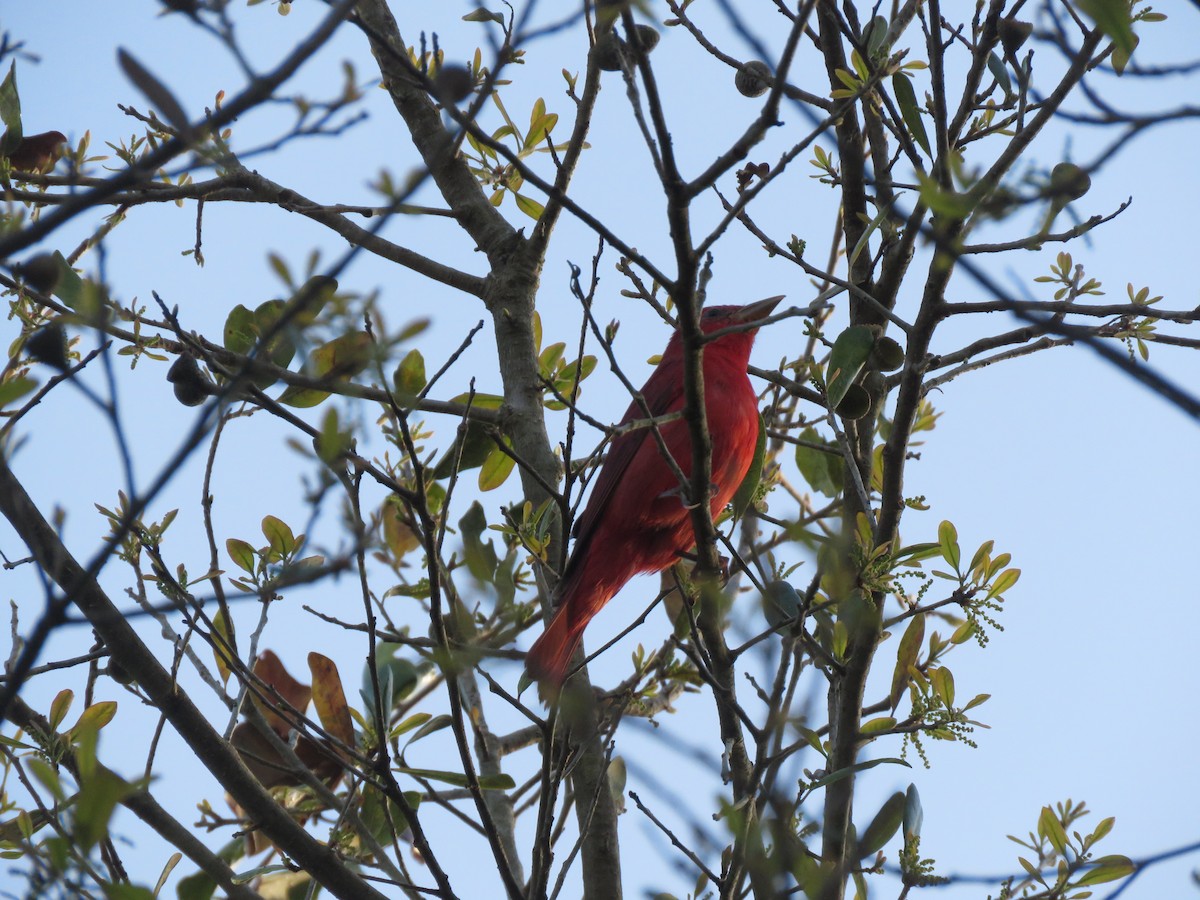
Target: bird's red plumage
[[635, 520]]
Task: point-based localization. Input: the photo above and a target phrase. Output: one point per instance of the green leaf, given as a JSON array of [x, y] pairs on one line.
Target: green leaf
[[996, 66], [1107, 868], [948, 541], [1003, 582], [279, 349], [239, 330], [70, 287], [982, 555], [487, 782], [1102, 829], [94, 718], [906, 655], [549, 359], [850, 351], [883, 827], [874, 34], [917, 552], [409, 378], [529, 206], [812, 739], [434, 725], [466, 453], [1113, 18], [480, 556], [943, 684], [416, 720], [944, 201], [98, 797], [907, 99], [479, 401], [824, 471], [342, 358], [1051, 829], [278, 535], [242, 554], [15, 389], [877, 725], [495, 469], [59, 707], [865, 239], [857, 767], [745, 491], [10, 112]]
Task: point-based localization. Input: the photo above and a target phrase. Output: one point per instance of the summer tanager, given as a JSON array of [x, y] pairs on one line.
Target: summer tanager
[[636, 520], [37, 152]]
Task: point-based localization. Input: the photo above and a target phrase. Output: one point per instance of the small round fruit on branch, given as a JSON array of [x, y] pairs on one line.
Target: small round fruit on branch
[[191, 387], [753, 79], [453, 84], [1068, 182], [611, 50]]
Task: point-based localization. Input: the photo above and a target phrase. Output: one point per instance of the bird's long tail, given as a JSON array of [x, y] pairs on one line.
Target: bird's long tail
[[550, 655], [588, 583]]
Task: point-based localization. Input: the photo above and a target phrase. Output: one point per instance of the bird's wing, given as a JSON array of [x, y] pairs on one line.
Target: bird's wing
[[663, 393]]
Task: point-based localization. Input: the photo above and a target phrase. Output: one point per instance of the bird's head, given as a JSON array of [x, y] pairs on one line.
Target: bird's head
[[715, 319], [718, 318]]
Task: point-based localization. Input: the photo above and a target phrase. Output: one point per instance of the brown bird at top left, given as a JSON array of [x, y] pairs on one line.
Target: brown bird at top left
[[38, 152]]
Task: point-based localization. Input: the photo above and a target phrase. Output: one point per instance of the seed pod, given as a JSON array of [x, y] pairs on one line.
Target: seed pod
[[648, 37], [49, 345], [888, 354], [855, 404], [40, 272], [753, 79], [1068, 181], [1013, 33], [453, 84], [191, 387], [609, 51]]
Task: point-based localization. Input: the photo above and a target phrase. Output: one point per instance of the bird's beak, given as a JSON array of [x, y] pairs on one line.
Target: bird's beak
[[752, 312]]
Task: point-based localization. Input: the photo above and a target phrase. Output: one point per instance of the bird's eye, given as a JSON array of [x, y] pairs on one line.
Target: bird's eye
[[709, 314]]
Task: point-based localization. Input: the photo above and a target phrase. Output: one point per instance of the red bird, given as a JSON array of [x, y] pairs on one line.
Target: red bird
[[635, 520], [37, 152]]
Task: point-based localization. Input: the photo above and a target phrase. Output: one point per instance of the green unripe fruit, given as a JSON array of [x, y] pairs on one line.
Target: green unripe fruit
[[453, 84], [1069, 182], [648, 38], [855, 404], [753, 79], [119, 673], [191, 387], [611, 50]]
